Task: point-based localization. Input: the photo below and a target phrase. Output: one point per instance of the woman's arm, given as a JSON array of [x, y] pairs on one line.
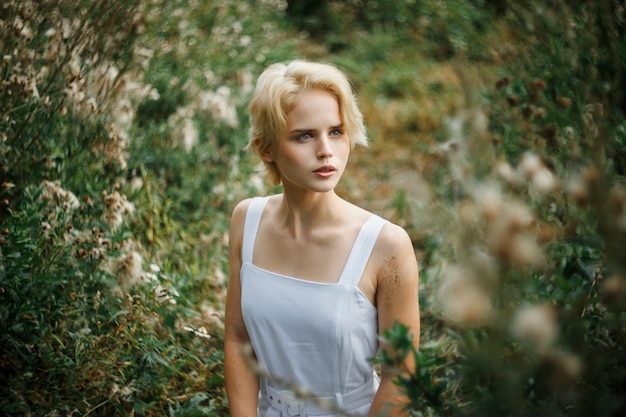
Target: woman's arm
[[242, 385], [397, 300]]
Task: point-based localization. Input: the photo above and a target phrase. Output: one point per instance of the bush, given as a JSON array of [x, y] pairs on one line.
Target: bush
[[113, 224], [527, 314]]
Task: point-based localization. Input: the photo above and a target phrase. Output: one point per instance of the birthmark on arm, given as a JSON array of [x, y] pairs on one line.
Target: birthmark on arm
[[390, 276]]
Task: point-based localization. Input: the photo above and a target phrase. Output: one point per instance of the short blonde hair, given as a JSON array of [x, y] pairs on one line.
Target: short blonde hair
[[277, 91]]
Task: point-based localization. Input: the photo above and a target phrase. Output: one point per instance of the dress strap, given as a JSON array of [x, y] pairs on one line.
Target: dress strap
[[251, 226], [361, 250]]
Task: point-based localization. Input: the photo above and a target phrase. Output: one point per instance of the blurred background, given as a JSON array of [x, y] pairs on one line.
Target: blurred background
[[498, 140]]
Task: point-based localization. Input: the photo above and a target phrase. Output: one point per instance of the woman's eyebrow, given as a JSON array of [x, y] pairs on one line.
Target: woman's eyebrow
[[304, 130]]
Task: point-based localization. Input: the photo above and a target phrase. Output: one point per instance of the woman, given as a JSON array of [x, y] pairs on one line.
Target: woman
[[313, 278]]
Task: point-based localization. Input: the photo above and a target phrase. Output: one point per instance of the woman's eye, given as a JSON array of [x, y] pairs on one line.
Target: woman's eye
[[336, 132], [304, 136]]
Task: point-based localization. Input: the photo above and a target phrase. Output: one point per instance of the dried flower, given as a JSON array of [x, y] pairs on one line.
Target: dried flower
[[570, 365], [124, 393], [564, 102], [23, 30], [543, 181], [212, 317], [613, 287], [92, 105], [190, 135], [508, 228], [220, 105], [200, 331], [55, 48], [161, 293], [114, 149], [116, 206], [97, 253], [462, 301], [592, 114], [136, 183], [503, 82], [127, 269], [529, 164], [513, 100], [536, 325], [508, 173], [537, 85], [56, 195], [143, 56], [522, 250], [518, 217], [539, 112], [489, 199], [220, 275], [27, 8], [165, 294], [30, 88], [576, 188]]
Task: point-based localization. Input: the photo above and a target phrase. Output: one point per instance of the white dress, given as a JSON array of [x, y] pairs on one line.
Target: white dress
[[311, 335]]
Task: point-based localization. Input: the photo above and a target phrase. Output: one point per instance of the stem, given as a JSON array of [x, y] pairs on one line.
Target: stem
[[34, 138], [52, 259], [17, 108], [98, 406], [98, 324], [150, 212]]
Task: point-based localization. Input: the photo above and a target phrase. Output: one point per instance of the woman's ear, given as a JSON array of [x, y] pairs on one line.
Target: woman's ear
[[265, 154]]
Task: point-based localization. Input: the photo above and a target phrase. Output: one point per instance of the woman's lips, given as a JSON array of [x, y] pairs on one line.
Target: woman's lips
[[325, 171]]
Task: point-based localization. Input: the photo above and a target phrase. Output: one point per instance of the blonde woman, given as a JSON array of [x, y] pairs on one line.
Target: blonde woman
[[314, 279]]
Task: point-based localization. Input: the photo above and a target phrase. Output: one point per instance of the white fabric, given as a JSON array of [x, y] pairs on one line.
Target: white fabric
[[314, 335]]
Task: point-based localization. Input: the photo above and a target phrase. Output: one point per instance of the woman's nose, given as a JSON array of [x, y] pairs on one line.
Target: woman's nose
[[324, 149]]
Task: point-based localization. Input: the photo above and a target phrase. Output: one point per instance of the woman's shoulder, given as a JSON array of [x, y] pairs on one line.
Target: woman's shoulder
[[392, 238], [242, 206], [394, 241], [240, 209]]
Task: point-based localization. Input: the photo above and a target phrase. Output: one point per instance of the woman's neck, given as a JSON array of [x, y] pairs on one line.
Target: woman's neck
[[302, 215]]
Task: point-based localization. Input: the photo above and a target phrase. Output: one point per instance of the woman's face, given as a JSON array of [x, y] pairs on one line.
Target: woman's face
[[313, 150]]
